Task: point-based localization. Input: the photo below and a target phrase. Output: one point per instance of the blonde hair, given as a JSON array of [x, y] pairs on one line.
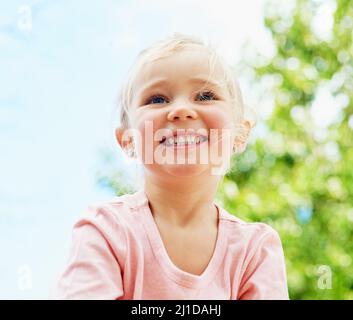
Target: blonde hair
[[165, 48]]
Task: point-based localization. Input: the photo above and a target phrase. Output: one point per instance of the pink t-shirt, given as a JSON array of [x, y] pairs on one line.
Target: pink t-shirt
[[118, 253]]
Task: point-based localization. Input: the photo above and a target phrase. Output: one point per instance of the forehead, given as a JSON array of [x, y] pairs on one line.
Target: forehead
[[179, 66]]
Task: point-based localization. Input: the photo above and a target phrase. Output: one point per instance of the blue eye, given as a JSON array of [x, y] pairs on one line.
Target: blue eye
[[155, 99], [207, 95], [203, 96]]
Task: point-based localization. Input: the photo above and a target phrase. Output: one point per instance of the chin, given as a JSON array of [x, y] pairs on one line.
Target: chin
[[185, 170]]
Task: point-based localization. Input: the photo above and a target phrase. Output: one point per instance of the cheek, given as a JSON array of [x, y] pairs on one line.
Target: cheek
[[148, 116], [147, 123], [218, 119], [222, 130]]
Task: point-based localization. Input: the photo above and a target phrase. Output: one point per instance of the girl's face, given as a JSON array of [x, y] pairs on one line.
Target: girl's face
[[177, 96]]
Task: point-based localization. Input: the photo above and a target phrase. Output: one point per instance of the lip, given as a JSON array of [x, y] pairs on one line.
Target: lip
[[203, 139], [187, 146], [182, 133]]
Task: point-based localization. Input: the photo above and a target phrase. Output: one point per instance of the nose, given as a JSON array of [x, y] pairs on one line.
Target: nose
[[182, 113]]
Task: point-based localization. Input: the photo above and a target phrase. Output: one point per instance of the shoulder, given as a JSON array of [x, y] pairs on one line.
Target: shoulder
[[251, 235], [118, 213]]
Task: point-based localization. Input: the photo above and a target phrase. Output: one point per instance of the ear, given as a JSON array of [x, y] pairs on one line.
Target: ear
[[126, 145], [241, 138]]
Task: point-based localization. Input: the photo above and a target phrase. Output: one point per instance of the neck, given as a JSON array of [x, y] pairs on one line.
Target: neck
[[182, 201]]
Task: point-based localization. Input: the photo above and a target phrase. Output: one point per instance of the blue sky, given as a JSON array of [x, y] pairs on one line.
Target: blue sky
[[61, 64]]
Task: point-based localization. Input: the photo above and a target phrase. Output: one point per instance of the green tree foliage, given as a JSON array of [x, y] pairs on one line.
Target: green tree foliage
[[298, 177]]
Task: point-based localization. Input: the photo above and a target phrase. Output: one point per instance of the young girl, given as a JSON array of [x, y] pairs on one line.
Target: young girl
[[170, 240]]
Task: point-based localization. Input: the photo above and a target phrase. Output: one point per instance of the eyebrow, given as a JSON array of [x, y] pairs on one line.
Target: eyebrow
[[163, 81]]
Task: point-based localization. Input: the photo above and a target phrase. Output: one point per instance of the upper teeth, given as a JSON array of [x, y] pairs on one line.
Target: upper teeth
[[183, 139]]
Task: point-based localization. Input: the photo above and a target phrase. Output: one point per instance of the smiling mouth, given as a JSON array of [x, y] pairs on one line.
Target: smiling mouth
[[183, 140]]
